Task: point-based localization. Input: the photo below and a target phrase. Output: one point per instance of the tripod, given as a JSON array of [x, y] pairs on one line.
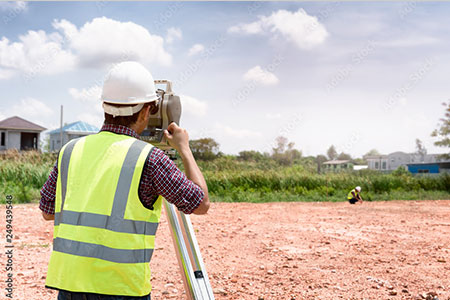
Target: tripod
[[193, 272]]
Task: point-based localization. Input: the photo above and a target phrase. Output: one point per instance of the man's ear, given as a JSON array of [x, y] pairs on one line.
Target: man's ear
[[145, 112]]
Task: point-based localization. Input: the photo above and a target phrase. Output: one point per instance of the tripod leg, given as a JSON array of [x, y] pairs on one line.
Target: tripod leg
[[192, 269]]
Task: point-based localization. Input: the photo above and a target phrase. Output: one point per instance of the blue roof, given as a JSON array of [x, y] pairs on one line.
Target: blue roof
[[79, 126]]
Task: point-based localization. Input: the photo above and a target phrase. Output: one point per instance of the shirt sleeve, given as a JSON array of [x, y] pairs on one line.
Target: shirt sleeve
[[162, 177], [48, 192]]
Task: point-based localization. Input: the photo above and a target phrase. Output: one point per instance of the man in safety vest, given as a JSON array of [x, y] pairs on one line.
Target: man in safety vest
[[104, 195], [354, 195]]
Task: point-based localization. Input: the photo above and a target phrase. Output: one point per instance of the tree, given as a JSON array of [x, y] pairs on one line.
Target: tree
[[320, 159], [421, 151], [332, 153], [204, 149], [251, 155], [284, 153], [443, 131], [45, 145], [281, 145], [359, 161], [373, 152], [344, 156]]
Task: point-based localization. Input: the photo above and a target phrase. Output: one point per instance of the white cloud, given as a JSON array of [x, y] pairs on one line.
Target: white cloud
[[103, 41], [238, 133], [91, 94], [273, 116], [90, 97], [251, 28], [6, 73], [97, 43], [31, 109], [193, 106], [303, 30], [173, 34], [196, 49], [258, 75], [35, 52]]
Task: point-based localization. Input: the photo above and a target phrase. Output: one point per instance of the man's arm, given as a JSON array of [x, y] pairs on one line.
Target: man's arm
[[195, 175], [178, 138], [48, 195]]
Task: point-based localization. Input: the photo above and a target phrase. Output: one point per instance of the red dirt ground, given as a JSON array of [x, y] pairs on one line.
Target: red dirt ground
[[377, 250]]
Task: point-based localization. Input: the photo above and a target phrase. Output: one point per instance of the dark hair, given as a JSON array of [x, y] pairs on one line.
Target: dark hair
[[124, 120]]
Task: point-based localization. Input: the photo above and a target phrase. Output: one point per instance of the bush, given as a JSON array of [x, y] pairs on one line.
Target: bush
[[254, 180]]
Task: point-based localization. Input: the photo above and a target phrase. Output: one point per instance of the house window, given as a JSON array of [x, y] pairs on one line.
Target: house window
[[376, 165], [2, 139], [384, 165], [421, 171]]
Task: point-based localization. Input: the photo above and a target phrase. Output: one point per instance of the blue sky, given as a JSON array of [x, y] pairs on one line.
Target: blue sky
[[358, 75]]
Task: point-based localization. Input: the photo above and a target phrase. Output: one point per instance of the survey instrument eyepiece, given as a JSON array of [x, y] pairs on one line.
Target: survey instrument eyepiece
[[167, 110]]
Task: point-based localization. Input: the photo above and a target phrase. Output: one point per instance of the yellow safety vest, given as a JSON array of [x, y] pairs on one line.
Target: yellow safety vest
[[350, 195], [103, 235]]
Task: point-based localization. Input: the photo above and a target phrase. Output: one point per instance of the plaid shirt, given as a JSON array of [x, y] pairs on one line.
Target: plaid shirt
[[160, 176]]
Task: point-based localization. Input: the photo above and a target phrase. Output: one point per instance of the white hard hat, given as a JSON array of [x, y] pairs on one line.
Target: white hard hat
[[358, 188], [128, 83]]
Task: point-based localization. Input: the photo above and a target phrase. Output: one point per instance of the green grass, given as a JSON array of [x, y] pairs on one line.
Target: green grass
[[231, 180], [22, 175]]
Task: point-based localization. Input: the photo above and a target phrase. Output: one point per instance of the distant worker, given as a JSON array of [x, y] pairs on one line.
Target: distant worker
[[104, 194], [354, 195]]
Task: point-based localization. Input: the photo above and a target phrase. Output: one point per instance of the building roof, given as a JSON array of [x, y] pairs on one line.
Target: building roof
[[336, 162], [381, 156], [77, 127], [20, 124]]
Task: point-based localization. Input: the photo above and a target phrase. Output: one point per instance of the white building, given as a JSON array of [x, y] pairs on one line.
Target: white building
[[394, 160], [69, 132], [20, 134]]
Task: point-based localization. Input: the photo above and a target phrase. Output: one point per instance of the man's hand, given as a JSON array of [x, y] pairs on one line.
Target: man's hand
[[177, 137], [48, 217]]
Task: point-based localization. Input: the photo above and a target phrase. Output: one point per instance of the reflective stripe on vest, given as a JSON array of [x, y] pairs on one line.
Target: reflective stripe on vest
[[103, 235], [115, 222]]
